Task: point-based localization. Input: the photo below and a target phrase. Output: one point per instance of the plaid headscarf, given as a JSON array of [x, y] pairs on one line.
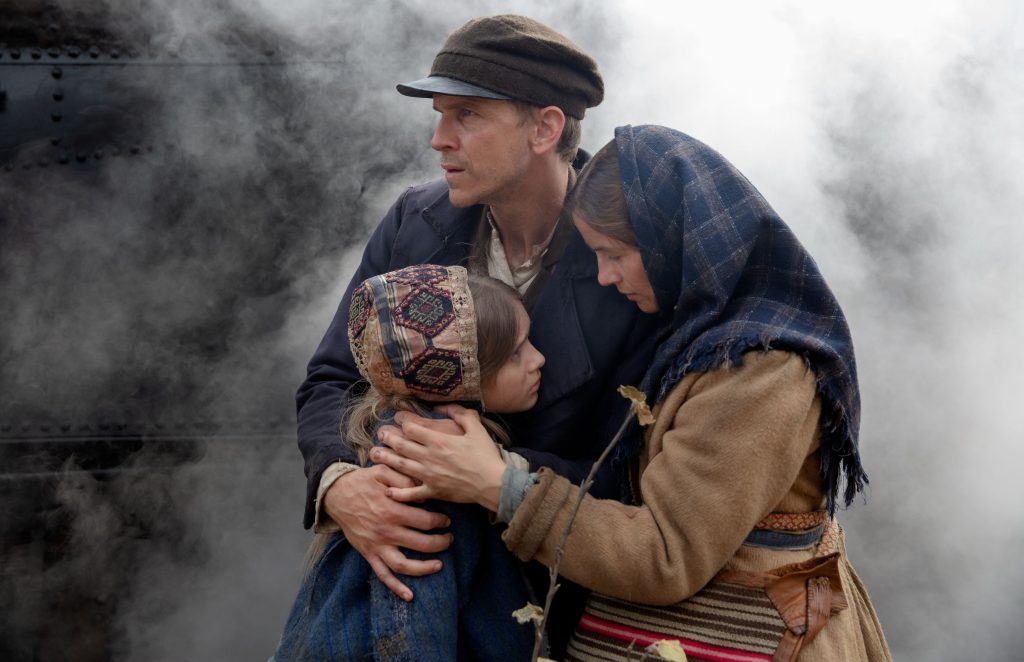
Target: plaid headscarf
[[413, 332], [729, 276]]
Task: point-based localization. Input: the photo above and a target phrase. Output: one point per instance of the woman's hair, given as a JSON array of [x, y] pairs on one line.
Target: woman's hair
[[495, 306], [597, 198]]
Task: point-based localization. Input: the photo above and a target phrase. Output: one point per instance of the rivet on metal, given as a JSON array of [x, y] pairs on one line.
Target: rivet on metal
[[57, 72], [53, 51], [63, 158], [114, 53], [134, 149], [58, 94], [15, 54], [36, 54], [81, 157], [56, 117], [54, 141], [74, 51], [94, 52]]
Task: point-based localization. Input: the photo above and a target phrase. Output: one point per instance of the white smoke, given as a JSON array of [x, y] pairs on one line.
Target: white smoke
[[889, 137]]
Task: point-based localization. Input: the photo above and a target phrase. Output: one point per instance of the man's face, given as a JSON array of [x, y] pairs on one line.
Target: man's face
[[484, 146]]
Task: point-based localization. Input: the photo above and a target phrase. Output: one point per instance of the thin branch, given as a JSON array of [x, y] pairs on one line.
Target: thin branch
[[560, 550]]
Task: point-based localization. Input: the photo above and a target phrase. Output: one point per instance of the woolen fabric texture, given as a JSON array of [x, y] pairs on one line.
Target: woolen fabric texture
[[523, 59], [727, 447], [730, 276]]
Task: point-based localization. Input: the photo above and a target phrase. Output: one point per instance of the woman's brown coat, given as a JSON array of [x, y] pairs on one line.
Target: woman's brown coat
[[727, 448]]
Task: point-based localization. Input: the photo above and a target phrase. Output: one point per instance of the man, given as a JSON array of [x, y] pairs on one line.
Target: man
[[510, 93]]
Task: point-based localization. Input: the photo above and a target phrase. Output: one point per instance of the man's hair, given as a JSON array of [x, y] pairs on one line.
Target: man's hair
[[572, 132]]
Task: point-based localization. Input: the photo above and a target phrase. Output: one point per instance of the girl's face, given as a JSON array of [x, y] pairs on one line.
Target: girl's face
[[621, 265], [514, 386]]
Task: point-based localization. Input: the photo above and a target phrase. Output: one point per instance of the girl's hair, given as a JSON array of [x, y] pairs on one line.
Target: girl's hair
[[496, 307], [597, 198]]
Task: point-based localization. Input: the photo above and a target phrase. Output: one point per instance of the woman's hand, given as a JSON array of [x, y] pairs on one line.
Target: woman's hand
[[463, 468]]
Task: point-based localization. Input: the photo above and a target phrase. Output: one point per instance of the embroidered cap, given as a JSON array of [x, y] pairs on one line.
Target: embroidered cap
[[413, 332]]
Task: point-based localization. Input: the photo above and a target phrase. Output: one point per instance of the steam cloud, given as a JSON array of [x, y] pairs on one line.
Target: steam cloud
[[889, 137]]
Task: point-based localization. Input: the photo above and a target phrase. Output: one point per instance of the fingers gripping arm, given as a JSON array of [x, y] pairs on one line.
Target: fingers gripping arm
[[377, 526], [463, 468]]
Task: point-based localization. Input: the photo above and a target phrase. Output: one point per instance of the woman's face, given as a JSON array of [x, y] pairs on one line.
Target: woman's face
[[514, 386], [619, 264]]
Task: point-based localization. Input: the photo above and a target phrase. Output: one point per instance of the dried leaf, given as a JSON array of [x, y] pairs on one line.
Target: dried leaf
[[667, 649], [530, 612], [636, 396]]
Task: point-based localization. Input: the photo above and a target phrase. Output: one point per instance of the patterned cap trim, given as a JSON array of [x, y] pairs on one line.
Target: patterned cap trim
[[413, 332]]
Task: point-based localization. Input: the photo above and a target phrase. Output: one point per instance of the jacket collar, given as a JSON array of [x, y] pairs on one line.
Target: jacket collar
[[447, 220]]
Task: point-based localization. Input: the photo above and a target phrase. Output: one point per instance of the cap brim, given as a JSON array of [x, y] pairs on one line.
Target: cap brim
[[427, 87]]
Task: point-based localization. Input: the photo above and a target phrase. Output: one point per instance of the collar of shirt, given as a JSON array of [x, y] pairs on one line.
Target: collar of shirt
[[497, 262]]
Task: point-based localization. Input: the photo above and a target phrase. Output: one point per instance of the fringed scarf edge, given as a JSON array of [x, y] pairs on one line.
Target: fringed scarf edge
[[840, 458]]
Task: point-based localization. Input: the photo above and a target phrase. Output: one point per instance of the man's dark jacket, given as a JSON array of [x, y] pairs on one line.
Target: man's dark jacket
[[593, 340]]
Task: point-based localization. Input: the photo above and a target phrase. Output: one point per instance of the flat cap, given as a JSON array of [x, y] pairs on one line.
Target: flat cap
[[513, 57]]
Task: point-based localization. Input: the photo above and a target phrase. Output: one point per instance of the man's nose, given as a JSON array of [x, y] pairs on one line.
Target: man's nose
[[444, 137]]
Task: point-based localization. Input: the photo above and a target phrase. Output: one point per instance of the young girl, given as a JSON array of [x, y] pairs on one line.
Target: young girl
[[419, 335]]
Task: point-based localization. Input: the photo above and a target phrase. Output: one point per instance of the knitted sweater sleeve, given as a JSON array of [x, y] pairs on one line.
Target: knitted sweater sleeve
[[725, 449]]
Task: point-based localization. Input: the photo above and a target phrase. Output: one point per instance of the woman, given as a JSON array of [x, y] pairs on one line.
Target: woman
[[730, 538], [425, 334]]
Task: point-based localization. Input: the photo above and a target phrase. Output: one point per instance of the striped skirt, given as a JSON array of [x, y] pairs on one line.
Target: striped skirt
[[738, 616], [723, 622]]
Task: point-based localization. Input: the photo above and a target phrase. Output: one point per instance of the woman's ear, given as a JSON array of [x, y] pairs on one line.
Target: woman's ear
[[548, 131]]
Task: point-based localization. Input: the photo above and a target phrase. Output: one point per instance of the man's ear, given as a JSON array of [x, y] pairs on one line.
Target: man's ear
[[550, 121]]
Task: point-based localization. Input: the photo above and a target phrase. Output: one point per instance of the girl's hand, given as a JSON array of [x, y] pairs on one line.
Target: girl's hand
[[464, 468]]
